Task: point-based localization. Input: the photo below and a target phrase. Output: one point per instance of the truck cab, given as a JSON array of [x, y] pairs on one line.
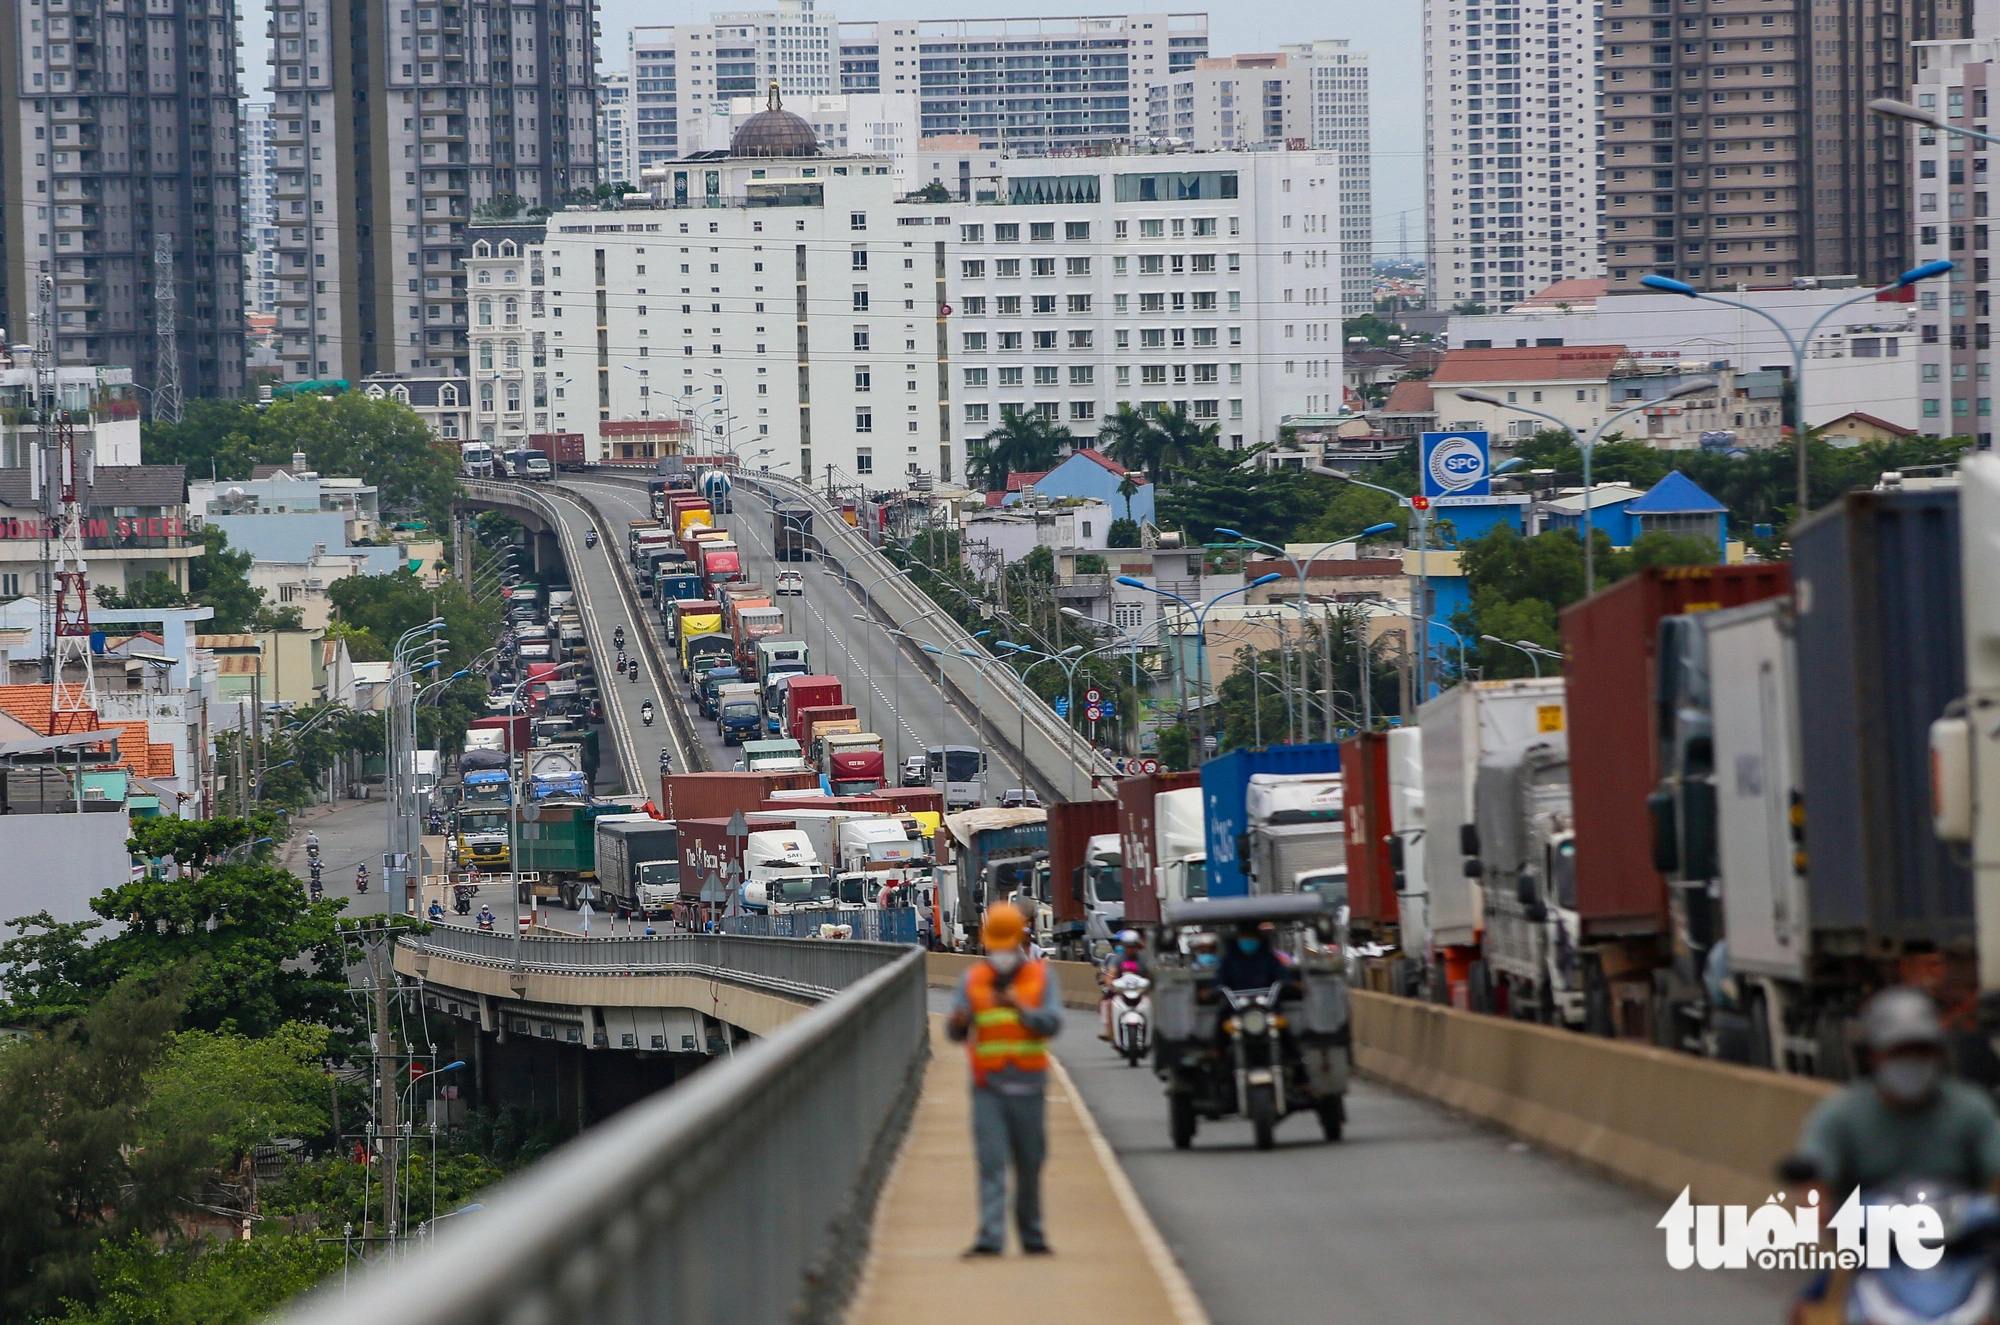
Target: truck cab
[[1522, 845], [479, 837], [782, 873], [737, 713], [780, 756]]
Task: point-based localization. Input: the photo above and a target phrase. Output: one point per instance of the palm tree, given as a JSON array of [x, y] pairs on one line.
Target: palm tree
[[1127, 436], [1128, 490], [1180, 437], [1022, 443]]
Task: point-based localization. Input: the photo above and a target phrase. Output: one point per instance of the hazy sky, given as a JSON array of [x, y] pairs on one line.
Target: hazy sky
[[1389, 30]]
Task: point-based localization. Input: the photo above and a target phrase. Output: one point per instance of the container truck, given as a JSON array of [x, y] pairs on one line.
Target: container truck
[[516, 732], [853, 763], [634, 528], [775, 657], [564, 449], [1643, 945], [1085, 887], [558, 850], [781, 756], [1297, 838], [711, 795], [673, 587], [802, 693], [752, 625], [791, 531], [995, 856], [878, 853], [693, 616], [1459, 727], [1522, 846], [720, 563], [1137, 815], [479, 835], [638, 864], [704, 654], [1371, 883], [774, 862], [823, 718], [1411, 971], [1225, 785]]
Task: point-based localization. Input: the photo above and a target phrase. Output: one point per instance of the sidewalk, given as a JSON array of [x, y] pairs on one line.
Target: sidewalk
[[1110, 1263]]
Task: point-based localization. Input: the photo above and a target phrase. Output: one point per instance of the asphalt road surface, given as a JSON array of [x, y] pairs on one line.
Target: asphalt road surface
[[353, 833]]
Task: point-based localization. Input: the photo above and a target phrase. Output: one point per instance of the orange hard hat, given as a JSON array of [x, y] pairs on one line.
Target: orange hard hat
[[1002, 928]]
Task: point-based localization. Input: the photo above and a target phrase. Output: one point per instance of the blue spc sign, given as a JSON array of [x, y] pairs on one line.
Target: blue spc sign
[[1457, 464], [1062, 706]]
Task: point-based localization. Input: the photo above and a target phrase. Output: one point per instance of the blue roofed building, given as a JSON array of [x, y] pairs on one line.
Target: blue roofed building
[[1677, 505], [1087, 473]]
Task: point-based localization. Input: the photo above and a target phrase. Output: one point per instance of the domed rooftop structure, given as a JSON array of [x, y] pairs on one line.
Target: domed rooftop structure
[[774, 131]]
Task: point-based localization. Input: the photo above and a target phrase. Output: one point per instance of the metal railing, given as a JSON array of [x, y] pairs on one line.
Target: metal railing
[[1059, 747], [872, 925], [743, 1195], [810, 970]]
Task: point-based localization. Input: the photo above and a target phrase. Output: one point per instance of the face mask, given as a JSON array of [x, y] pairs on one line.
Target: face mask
[[1005, 961], [1247, 946], [1204, 959], [1907, 1080]]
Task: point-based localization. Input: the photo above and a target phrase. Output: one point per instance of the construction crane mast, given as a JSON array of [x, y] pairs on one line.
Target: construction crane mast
[[65, 484]]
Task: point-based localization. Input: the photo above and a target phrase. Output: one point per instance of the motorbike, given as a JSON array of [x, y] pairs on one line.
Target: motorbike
[[618, 642], [646, 715], [1258, 1054], [361, 882], [312, 851], [1963, 1288], [461, 901], [632, 672], [590, 538], [486, 923], [1131, 1016], [315, 888]]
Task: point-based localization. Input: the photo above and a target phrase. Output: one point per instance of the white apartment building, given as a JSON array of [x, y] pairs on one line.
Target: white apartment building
[[783, 306], [616, 163], [260, 208], [681, 72], [1312, 94], [382, 162], [1510, 148], [1208, 280], [1954, 332]]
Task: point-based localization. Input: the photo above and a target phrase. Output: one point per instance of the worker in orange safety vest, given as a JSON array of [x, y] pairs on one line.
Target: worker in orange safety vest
[[1008, 1008]]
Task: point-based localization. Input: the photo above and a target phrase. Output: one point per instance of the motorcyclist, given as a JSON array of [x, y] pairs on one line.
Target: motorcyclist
[[485, 917], [461, 900], [312, 845], [437, 912], [666, 762], [646, 713], [1907, 1119], [361, 878], [1203, 953], [618, 642], [1122, 958], [590, 538], [315, 888], [621, 660], [1250, 962]]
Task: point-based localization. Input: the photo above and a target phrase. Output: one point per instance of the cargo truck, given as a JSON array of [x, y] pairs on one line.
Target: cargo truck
[[673, 587], [754, 624], [1137, 826], [1297, 838], [737, 714], [1411, 971], [776, 657], [1225, 787], [823, 717], [479, 836], [1459, 727], [853, 763], [564, 449], [996, 853], [1522, 847], [693, 616], [703, 622], [1644, 946], [530, 463], [487, 787], [1085, 890], [791, 531], [633, 529], [713, 795], [638, 864], [558, 850], [1371, 883], [802, 693], [719, 562], [780, 756]]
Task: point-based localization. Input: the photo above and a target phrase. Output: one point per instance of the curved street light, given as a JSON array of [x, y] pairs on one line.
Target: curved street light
[[1201, 612]]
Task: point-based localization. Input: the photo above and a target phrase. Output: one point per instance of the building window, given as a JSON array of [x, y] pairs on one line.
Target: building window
[[864, 420]]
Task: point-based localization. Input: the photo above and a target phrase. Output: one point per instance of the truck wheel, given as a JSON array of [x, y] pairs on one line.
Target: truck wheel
[[1181, 1119], [1762, 1051], [1332, 1116], [1264, 1115]]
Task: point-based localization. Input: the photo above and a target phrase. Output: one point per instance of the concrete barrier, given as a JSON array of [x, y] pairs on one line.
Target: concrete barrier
[[1662, 1119], [1078, 980]]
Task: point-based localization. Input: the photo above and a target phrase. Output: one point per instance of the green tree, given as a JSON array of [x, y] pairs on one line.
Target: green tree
[[183, 1282], [1176, 744], [386, 606], [220, 579], [384, 442], [78, 1162], [1022, 443], [1376, 330], [1181, 438], [239, 1092], [1122, 533], [1128, 436]]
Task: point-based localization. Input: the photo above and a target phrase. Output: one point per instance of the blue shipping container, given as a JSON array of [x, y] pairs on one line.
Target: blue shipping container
[[1225, 788]]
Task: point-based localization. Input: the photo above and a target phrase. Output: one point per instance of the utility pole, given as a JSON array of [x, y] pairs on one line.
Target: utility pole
[[387, 1079]]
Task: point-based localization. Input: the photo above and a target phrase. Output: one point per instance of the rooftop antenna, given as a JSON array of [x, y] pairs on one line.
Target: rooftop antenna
[[65, 493], [167, 355]]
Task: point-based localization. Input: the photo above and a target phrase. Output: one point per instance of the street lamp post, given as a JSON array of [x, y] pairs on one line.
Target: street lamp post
[[1201, 612], [1534, 657], [1589, 448], [1799, 345], [1021, 651]]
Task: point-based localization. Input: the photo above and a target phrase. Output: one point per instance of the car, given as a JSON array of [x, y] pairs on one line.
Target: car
[[791, 582], [501, 702], [1020, 798], [916, 771]]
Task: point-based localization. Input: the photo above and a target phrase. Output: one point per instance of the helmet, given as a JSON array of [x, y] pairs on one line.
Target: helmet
[[1128, 937], [1900, 1018], [1002, 928]]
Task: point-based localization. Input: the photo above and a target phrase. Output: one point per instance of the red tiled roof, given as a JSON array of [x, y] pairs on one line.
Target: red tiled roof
[[1531, 363], [30, 705], [1410, 398], [1015, 482], [1577, 290], [1872, 421]]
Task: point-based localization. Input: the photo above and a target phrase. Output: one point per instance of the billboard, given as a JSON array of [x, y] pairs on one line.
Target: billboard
[[1457, 464]]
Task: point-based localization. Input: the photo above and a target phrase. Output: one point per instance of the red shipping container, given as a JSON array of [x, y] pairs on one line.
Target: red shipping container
[[861, 804], [515, 725], [1137, 837], [707, 848], [1071, 826], [564, 449], [709, 795], [913, 800], [1610, 643], [1371, 882]]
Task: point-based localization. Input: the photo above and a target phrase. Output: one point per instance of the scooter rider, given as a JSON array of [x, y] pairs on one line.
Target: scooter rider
[[312, 845], [1123, 958], [618, 642], [485, 916], [1250, 962], [590, 538], [1907, 1119], [437, 912], [646, 713], [361, 878], [666, 762]]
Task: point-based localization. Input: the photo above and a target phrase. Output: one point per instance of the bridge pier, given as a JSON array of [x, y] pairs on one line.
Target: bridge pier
[[546, 550], [564, 1082]]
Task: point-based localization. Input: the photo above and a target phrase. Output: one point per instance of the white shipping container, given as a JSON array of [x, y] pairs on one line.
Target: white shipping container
[[1458, 727], [1754, 708]]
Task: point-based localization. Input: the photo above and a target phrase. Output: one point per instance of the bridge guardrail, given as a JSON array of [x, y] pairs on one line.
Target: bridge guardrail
[[744, 1194], [915, 614], [873, 925], [815, 970]]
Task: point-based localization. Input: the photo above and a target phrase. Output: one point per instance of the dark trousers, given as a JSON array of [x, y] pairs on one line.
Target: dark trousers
[[1009, 1127]]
